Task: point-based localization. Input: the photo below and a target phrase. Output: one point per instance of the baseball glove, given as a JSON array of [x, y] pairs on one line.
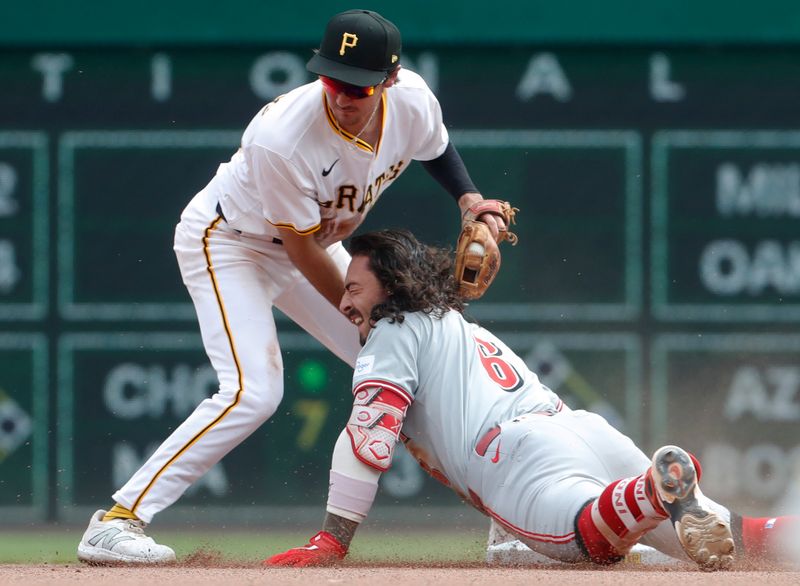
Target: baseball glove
[[477, 252]]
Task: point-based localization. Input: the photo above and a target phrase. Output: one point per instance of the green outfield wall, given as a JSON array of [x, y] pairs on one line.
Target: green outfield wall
[[654, 154], [473, 22]]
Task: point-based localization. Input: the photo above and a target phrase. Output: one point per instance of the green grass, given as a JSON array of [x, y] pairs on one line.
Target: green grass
[[53, 546]]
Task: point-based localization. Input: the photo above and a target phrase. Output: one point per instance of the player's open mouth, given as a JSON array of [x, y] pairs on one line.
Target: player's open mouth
[[355, 318]]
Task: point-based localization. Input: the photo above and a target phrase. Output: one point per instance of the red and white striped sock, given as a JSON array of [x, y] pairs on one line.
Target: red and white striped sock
[[615, 521], [771, 538]]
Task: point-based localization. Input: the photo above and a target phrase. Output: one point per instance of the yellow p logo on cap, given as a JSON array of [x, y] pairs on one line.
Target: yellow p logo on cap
[[349, 40]]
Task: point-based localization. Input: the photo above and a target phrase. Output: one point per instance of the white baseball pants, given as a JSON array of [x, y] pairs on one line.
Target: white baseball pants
[[234, 281], [539, 472]]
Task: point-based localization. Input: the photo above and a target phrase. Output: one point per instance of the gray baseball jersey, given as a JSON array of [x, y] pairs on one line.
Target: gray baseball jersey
[[469, 395], [461, 380]]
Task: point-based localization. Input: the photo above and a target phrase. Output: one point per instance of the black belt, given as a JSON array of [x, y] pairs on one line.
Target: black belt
[[221, 215]]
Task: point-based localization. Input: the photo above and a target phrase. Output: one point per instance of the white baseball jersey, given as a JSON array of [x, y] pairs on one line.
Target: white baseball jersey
[[298, 169], [461, 380]]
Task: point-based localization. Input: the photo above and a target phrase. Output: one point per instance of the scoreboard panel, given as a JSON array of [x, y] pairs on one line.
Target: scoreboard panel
[[659, 196], [726, 213], [24, 431], [24, 217], [120, 196], [580, 250], [734, 401]]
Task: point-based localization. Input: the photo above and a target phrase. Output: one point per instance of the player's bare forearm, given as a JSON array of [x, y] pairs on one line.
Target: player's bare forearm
[[342, 529], [315, 263], [467, 199]]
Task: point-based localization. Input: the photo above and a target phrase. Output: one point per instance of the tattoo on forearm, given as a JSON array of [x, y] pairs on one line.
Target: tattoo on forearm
[[341, 528]]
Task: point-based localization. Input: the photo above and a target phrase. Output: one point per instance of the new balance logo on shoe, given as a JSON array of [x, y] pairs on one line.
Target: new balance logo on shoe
[[109, 538]]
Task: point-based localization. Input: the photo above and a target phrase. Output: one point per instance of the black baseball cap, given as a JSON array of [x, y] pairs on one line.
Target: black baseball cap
[[359, 47]]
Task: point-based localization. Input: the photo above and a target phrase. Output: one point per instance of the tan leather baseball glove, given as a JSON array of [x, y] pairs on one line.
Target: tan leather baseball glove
[[477, 252]]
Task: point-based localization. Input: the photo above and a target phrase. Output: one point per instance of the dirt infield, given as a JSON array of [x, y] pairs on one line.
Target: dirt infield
[[194, 575]]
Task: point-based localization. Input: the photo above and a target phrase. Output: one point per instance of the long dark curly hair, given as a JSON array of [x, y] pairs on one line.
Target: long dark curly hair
[[418, 277]]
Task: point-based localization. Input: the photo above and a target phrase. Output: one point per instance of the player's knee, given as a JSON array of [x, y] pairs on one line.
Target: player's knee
[[258, 399], [262, 399]]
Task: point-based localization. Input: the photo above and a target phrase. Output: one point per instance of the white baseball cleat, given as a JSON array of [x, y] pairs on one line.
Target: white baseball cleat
[[705, 536], [120, 541]]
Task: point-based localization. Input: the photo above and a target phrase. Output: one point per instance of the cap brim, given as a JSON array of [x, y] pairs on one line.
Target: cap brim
[[347, 73]]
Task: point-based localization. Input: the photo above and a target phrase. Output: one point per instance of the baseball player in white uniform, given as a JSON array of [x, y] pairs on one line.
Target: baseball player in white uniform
[[564, 482], [266, 232]]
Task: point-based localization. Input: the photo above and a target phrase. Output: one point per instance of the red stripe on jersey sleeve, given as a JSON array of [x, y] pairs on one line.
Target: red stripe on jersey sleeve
[[409, 398]]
